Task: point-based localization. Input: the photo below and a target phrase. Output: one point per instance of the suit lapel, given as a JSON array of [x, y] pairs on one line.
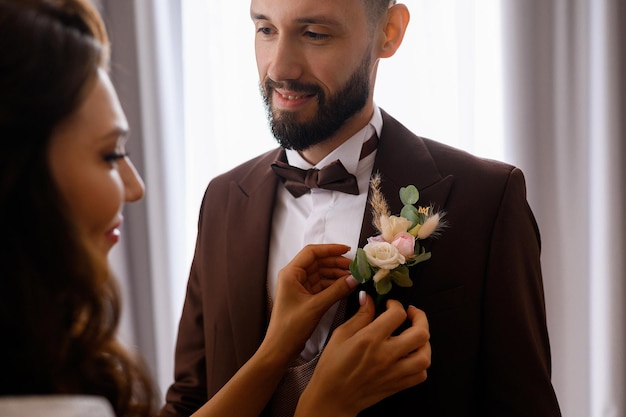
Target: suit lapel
[[250, 206], [402, 159]]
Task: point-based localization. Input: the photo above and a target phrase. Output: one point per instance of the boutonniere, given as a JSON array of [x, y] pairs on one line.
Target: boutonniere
[[386, 257]]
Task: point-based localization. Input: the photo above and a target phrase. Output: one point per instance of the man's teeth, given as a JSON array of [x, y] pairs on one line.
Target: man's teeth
[[292, 97]]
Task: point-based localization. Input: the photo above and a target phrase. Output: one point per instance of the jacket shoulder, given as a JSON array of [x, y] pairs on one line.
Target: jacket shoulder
[[454, 161], [254, 166], [447, 159]]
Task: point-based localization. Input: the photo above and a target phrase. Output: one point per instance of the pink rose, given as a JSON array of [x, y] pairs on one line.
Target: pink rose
[[405, 243]]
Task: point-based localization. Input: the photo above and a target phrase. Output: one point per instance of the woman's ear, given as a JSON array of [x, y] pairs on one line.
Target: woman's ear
[[397, 20]]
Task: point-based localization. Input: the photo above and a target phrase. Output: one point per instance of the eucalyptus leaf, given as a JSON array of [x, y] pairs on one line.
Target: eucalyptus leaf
[[359, 267], [402, 280], [424, 256], [409, 195], [383, 286], [402, 269], [410, 213], [420, 255]]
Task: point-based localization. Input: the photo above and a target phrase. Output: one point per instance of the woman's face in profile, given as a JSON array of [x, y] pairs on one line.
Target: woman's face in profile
[[89, 164]]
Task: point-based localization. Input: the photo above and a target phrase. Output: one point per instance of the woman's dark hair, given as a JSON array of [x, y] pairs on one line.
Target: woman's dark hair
[[59, 306]]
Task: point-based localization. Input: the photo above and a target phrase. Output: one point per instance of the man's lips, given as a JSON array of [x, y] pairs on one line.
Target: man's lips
[[291, 99], [292, 95]]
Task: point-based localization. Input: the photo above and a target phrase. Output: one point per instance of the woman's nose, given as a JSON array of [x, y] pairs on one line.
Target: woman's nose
[[133, 184]]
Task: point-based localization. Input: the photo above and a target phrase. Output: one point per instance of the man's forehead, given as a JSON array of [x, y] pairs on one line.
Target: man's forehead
[[307, 11]]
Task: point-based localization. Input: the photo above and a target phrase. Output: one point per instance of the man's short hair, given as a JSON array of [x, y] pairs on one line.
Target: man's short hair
[[376, 9]]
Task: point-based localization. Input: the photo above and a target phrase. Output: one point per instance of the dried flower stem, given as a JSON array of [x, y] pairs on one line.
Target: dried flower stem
[[377, 201]]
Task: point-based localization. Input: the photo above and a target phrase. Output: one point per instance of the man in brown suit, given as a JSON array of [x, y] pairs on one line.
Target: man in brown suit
[[481, 290]]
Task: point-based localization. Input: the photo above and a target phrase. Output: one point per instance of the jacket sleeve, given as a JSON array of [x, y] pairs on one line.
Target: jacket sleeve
[[515, 355], [225, 311], [188, 392]]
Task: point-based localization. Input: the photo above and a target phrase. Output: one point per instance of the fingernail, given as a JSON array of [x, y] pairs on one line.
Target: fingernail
[[351, 281], [362, 298]]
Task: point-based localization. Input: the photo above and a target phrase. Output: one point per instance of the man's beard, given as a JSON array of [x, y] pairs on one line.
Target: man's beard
[[331, 114]]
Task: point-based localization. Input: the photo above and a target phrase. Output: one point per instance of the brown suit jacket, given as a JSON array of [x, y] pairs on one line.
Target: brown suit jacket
[[481, 290]]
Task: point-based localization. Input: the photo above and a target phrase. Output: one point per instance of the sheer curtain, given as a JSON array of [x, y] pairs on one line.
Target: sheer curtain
[[564, 112], [150, 260]]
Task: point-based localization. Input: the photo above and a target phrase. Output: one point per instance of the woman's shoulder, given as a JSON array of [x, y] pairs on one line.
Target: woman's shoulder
[[55, 406]]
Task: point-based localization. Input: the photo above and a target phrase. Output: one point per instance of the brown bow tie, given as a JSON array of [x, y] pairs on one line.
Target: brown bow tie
[[333, 176]]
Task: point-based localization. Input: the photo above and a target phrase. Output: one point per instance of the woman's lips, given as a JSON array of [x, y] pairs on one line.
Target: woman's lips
[[113, 234]]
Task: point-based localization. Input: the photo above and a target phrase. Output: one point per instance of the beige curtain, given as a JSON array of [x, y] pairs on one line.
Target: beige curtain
[[565, 103]]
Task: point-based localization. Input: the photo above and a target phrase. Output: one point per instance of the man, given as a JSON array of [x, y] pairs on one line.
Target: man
[[481, 290]]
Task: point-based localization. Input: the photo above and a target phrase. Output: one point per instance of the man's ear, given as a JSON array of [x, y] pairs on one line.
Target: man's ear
[[397, 20]]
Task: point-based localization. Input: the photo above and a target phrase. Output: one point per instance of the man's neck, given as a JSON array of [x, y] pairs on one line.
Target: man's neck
[[316, 153]]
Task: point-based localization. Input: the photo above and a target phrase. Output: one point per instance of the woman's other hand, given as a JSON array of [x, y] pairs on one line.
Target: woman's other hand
[[363, 363]]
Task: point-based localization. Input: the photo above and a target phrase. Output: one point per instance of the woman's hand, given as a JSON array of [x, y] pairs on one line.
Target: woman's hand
[[316, 278], [313, 281], [363, 363]]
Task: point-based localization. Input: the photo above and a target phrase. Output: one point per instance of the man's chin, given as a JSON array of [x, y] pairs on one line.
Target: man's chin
[[302, 116]]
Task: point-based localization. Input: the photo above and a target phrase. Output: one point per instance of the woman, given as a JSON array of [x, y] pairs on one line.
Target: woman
[[59, 308], [64, 177]]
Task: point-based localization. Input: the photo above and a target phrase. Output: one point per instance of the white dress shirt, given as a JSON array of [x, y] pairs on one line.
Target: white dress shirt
[[322, 216]]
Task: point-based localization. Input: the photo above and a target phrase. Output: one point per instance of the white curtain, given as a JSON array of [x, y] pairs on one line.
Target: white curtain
[[538, 83], [564, 112]]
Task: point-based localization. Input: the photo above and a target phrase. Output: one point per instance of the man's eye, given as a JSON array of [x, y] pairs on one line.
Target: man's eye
[[316, 36], [264, 31]]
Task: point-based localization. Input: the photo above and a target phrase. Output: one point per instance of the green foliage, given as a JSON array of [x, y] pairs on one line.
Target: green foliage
[[410, 213], [409, 195], [383, 286], [359, 267], [401, 277]]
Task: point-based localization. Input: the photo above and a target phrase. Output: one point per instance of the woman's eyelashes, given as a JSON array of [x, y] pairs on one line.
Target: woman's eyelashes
[[114, 156]]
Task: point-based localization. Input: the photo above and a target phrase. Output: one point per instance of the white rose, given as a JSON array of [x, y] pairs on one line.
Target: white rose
[[383, 255]]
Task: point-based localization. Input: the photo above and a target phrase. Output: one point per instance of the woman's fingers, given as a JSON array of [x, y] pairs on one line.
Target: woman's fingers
[[316, 266], [387, 322], [361, 318], [311, 254], [316, 278], [414, 337], [334, 292], [366, 363], [406, 372]]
